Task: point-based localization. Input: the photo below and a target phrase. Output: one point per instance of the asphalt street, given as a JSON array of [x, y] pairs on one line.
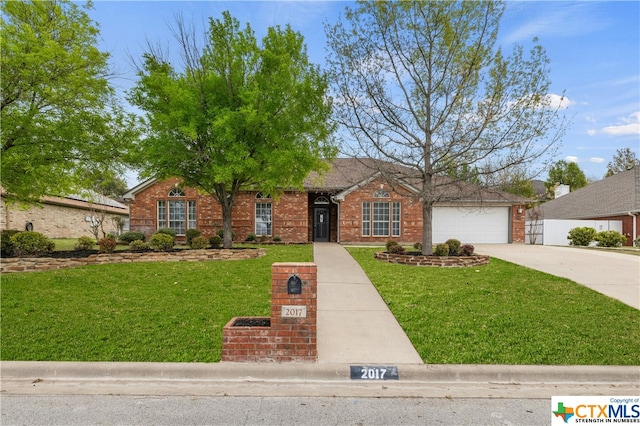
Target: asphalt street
[[69, 410]]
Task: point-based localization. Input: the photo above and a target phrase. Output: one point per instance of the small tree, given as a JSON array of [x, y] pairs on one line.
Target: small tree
[[624, 159], [237, 115], [566, 173]]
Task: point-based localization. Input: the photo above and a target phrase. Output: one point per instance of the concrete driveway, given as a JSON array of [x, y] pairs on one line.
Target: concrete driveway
[[616, 275]]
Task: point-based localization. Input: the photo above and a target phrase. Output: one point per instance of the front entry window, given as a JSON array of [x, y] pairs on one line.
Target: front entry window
[[175, 213]]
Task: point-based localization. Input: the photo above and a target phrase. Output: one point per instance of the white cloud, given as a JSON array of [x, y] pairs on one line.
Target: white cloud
[[628, 126], [592, 132], [571, 158], [559, 101], [597, 160]]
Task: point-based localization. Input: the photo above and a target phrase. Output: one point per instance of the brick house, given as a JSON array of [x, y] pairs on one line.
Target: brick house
[[351, 203], [63, 217]]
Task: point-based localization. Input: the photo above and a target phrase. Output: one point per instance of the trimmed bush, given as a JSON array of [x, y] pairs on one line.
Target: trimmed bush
[[6, 246], [396, 249], [199, 242], [138, 245], [581, 236], [277, 239], [130, 236], [454, 246], [389, 244], [215, 242], [467, 250], [161, 242], [31, 243], [191, 234], [418, 246], [637, 242], [107, 245], [610, 239], [251, 237], [441, 250], [85, 243], [167, 231], [221, 234]]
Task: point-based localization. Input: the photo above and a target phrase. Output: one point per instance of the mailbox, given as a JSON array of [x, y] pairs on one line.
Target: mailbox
[[294, 285]]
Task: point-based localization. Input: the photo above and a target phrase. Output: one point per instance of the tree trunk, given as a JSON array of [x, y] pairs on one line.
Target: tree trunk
[[427, 228], [227, 232]]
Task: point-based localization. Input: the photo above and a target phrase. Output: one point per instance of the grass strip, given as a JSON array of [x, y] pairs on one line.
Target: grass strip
[[502, 313]]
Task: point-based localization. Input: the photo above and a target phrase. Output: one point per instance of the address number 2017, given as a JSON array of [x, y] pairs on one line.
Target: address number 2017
[[359, 372]]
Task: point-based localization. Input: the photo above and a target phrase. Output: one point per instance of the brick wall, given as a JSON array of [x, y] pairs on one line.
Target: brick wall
[[290, 220], [627, 226], [518, 221], [286, 339], [351, 214], [52, 220]]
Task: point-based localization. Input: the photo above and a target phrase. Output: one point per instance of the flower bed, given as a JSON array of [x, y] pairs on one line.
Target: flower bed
[[27, 264], [442, 261]]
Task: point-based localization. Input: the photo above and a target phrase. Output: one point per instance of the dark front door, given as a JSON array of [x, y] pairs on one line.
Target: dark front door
[[321, 224]]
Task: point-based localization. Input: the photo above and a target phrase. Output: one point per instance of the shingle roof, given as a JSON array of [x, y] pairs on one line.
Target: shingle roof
[[616, 195], [346, 173]]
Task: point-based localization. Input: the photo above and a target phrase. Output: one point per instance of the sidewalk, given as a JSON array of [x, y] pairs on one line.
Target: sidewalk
[[354, 323]]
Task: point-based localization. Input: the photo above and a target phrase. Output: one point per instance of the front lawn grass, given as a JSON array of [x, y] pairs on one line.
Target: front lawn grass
[[153, 312], [502, 313]]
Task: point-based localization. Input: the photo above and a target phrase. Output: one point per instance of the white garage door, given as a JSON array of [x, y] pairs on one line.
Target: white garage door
[[471, 225]]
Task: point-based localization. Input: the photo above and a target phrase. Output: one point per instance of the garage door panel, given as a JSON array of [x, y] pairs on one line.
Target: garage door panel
[[471, 225]]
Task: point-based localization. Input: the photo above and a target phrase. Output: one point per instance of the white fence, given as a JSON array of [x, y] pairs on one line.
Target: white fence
[[553, 232]]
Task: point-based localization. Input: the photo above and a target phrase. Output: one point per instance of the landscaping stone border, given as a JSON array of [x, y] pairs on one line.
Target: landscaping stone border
[[441, 261], [30, 264]]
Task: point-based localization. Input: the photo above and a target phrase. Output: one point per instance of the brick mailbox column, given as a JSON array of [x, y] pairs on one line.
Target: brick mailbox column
[[290, 334]]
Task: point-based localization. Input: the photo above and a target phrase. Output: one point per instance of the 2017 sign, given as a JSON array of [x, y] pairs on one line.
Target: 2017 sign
[[361, 372], [289, 311]]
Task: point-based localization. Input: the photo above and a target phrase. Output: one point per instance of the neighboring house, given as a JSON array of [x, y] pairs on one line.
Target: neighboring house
[[616, 197], [351, 203], [63, 217]]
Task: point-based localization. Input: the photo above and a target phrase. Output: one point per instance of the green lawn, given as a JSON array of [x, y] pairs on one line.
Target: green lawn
[[171, 312], [502, 313], [174, 312]]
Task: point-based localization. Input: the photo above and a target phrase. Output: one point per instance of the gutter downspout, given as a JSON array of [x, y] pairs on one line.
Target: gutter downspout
[[337, 203], [635, 226]]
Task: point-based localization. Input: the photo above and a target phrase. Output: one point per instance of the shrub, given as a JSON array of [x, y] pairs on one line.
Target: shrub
[[138, 245], [467, 250], [221, 234], [454, 246], [610, 239], [191, 234], [390, 244], [396, 249], [418, 246], [264, 238], [161, 242], [581, 236], [31, 243], [167, 231], [6, 246], [130, 236], [441, 250], [215, 241], [199, 242], [85, 243], [107, 245], [637, 242], [251, 237], [277, 239]]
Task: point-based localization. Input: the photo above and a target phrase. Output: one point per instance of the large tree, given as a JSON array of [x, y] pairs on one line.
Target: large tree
[[565, 173], [237, 115], [59, 115], [624, 159], [421, 83]]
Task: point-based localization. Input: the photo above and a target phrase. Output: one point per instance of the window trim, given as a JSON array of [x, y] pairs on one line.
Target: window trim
[[393, 224]]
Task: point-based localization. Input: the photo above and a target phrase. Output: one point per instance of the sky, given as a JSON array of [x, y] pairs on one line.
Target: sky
[[594, 48]]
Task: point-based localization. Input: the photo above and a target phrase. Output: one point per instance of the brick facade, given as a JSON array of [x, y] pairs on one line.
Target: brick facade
[[285, 339], [293, 213], [57, 217]]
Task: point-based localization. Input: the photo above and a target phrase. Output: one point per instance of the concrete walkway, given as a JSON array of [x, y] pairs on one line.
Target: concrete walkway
[[354, 323], [616, 275]]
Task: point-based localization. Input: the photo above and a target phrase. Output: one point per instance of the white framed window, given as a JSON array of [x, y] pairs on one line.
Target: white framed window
[[263, 219], [381, 193], [366, 219], [381, 219], [178, 215]]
